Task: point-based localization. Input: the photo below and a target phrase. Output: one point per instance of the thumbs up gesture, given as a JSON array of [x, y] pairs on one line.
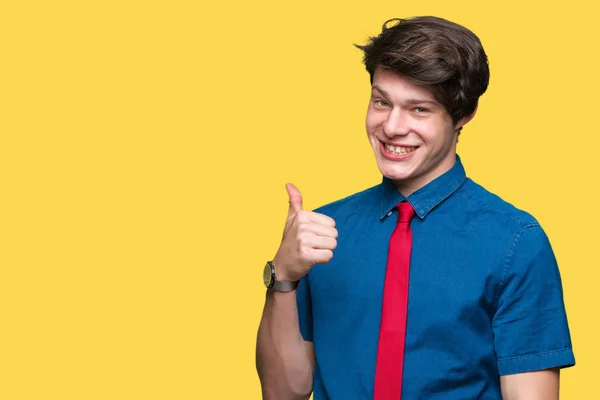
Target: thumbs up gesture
[[309, 238]]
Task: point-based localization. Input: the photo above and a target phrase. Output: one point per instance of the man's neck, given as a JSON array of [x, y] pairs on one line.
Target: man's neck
[[408, 187]]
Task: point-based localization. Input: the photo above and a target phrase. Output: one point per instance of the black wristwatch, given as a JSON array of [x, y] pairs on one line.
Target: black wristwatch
[[272, 283]]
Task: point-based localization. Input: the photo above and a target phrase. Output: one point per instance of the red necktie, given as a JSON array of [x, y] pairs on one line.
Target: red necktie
[[390, 350]]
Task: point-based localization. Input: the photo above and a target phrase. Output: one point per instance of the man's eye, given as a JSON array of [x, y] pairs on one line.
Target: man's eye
[[421, 110], [382, 103]]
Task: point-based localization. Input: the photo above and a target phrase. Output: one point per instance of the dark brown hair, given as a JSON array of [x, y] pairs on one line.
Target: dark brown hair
[[445, 57]]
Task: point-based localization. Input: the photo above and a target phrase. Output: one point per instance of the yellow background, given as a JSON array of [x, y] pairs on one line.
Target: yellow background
[[144, 149]]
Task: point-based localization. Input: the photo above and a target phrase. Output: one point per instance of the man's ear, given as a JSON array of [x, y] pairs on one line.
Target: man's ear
[[464, 120]]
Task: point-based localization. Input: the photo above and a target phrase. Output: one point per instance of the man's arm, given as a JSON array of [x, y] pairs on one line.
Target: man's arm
[[530, 326], [538, 385], [285, 362]]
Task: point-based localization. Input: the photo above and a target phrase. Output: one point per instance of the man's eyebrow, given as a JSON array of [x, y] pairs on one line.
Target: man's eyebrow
[[409, 101], [380, 90], [421, 101]]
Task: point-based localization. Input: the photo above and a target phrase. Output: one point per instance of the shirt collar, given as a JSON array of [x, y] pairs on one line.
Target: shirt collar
[[427, 197]]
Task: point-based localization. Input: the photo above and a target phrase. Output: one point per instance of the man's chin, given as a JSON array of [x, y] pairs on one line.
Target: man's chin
[[396, 177], [395, 174]]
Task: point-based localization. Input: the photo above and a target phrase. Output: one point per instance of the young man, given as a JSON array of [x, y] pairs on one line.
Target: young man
[[438, 288]]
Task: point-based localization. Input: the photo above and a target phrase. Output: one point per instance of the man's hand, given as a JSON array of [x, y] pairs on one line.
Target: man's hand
[[309, 238]]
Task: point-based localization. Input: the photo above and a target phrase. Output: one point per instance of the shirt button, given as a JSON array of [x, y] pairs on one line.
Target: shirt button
[[390, 213]]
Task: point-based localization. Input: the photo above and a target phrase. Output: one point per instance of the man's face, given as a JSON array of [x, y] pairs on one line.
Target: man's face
[[412, 135]]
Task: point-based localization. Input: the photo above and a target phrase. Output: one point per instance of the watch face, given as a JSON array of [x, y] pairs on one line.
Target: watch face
[[267, 275]]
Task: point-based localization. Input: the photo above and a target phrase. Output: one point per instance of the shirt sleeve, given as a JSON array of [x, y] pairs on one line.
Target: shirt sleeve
[[304, 303], [530, 326]]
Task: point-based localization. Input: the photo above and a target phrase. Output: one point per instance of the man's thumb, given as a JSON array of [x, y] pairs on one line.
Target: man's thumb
[[295, 199]]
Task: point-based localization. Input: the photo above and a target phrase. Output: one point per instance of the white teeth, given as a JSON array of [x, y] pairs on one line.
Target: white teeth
[[398, 149]]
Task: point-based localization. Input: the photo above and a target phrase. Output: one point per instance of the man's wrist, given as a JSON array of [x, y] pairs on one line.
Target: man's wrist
[[280, 273], [279, 283]]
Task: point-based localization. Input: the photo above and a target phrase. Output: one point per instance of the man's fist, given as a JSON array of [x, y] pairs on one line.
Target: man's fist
[[308, 239]]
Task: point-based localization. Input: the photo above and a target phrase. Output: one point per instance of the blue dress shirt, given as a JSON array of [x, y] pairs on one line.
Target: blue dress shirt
[[485, 294]]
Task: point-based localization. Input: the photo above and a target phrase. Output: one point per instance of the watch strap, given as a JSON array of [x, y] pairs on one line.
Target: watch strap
[[280, 286]]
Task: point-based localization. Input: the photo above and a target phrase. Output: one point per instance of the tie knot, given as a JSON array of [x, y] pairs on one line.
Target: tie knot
[[405, 212]]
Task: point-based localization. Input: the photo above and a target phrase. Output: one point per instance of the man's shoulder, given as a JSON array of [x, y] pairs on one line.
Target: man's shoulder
[[356, 202], [490, 205]]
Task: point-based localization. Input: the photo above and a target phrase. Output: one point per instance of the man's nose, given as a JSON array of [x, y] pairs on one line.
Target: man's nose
[[396, 123]]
